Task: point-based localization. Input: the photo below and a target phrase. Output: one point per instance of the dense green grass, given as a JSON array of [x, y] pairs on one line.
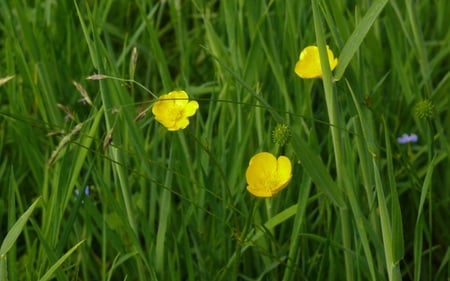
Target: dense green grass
[[173, 205]]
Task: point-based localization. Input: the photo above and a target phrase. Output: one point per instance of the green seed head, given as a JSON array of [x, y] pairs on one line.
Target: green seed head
[[281, 134], [424, 109]]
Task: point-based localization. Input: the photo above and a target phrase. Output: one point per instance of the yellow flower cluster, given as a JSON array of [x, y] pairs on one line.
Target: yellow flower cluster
[[266, 175]]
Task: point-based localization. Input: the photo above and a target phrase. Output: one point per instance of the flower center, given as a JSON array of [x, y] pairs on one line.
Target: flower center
[[272, 181], [177, 112]]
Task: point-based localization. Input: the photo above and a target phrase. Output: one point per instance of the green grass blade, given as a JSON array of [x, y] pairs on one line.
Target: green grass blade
[[300, 219], [354, 41], [315, 168], [16, 229], [3, 269], [427, 184], [59, 262], [398, 250], [392, 267]]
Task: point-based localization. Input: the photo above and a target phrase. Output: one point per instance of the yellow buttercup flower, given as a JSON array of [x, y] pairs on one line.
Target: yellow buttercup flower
[[172, 110], [267, 175], [308, 65]]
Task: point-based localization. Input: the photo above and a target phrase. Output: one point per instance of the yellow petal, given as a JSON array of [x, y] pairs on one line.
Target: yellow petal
[[284, 169], [308, 65], [261, 166], [280, 186], [160, 106], [259, 192], [191, 108], [181, 124], [180, 98], [284, 174], [165, 97], [182, 95], [331, 59], [162, 111]]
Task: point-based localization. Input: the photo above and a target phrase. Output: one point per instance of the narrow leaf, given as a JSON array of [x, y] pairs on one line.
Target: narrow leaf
[[54, 267], [16, 229], [425, 187], [358, 35]]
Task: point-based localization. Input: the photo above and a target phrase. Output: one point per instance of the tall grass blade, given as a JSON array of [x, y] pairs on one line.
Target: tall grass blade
[[49, 274], [16, 229], [354, 41]]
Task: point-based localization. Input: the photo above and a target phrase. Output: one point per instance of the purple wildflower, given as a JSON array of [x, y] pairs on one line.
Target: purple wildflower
[[405, 138]]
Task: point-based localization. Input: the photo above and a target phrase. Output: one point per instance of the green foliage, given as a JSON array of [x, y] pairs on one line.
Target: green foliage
[[173, 205]]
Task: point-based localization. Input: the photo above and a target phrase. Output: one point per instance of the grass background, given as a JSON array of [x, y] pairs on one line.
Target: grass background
[[173, 205]]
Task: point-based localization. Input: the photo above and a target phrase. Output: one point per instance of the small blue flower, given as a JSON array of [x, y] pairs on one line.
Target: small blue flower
[[405, 138], [86, 192]]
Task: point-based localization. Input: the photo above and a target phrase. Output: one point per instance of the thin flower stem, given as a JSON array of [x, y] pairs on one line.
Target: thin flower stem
[[102, 76], [335, 124]]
